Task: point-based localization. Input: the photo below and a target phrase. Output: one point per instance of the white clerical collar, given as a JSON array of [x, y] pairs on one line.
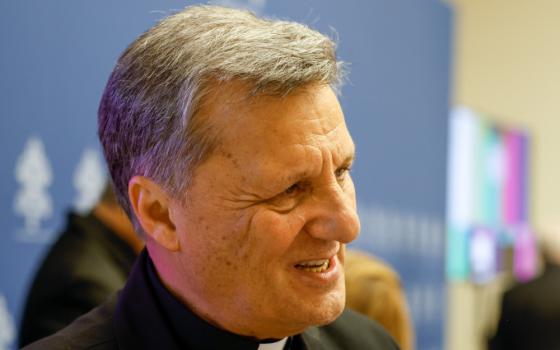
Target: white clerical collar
[[277, 345]]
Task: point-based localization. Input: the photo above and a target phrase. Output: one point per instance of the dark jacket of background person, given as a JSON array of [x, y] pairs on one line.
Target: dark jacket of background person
[[86, 264], [530, 316], [374, 289], [120, 323]]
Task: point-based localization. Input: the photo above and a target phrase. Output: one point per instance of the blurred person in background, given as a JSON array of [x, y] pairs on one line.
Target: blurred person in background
[[89, 261], [374, 289], [530, 315]]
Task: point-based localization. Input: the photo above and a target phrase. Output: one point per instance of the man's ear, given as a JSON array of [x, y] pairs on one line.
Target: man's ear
[[151, 207]]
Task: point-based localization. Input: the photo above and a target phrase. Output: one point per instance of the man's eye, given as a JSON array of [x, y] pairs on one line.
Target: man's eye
[[341, 172], [293, 189]]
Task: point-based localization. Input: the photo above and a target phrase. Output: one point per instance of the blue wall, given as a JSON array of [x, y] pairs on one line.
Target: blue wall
[[55, 59]]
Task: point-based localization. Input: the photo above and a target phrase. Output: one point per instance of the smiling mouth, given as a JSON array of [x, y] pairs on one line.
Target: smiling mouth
[[316, 266]]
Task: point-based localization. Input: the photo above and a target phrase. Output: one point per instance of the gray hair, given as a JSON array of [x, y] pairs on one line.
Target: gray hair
[[148, 121]]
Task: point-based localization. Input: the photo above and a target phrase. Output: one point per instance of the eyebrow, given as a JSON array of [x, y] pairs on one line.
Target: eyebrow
[[295, 177], [349, 159], [298, 176]]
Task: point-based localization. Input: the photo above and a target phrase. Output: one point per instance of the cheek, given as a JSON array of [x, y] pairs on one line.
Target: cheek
[[208, 241], [275, 232]]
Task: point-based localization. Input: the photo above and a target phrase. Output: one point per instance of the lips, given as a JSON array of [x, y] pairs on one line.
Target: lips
[[317, 266]]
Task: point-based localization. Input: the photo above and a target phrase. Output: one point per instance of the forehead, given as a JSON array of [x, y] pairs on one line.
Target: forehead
[[310, 118]]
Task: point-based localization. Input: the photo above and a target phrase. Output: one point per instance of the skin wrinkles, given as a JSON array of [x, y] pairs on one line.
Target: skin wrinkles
[[237, 198], [239, 247], [304, 183]]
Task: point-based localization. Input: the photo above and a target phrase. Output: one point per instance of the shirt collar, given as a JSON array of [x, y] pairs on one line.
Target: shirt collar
[[278, 345]]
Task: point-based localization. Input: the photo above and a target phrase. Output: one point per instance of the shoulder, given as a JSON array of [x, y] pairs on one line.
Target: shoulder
[[81, 255], [93, 330], [76, 268], [350, 331], [74, 247]]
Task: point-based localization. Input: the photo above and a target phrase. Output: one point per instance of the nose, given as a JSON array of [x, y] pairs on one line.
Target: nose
[[332, 214]]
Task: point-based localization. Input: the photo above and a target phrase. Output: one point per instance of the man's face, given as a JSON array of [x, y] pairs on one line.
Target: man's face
[[263, 227]]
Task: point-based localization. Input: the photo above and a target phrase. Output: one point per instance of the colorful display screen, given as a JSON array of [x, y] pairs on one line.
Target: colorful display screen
[[487, 199]]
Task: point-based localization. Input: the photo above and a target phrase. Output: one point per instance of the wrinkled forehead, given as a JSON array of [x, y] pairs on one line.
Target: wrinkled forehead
[[309, 115]]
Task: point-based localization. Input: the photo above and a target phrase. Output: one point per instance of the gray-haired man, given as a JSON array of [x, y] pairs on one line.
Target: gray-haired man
[[228, 148]]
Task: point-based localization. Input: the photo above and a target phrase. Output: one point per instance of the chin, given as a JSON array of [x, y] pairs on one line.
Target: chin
[[331, 313], [327, 310], [299, 313]]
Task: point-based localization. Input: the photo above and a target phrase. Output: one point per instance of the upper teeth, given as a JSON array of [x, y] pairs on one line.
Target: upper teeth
[[314, 265]]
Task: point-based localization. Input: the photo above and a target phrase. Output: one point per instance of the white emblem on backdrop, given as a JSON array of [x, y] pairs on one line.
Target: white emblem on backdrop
[[89, 180], [33, 201], [256, 6], [7, 329]]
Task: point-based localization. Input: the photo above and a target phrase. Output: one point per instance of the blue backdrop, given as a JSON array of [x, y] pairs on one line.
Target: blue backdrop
[[55, 59]]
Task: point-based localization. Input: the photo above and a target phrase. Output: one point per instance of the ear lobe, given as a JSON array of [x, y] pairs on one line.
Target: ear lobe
[[151, 207]]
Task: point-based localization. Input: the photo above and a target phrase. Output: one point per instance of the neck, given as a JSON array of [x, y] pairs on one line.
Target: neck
[[226, 316]]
